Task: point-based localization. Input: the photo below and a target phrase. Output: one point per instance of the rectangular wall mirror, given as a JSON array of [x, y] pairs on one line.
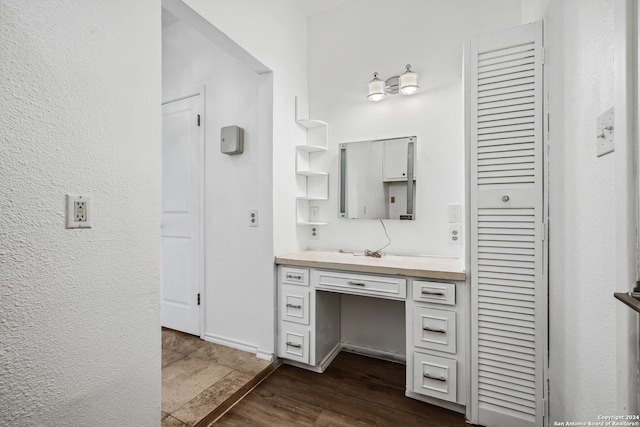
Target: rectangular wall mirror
[[377, 179]]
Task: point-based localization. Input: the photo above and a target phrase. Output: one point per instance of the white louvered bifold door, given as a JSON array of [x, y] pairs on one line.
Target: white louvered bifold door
[[509, 297]]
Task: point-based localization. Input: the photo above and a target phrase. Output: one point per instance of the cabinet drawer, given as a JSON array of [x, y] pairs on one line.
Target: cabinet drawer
[[294, 276], [434, 376], [358, 284], [434, 292], [294, 343], [434, 329], [294, 304]]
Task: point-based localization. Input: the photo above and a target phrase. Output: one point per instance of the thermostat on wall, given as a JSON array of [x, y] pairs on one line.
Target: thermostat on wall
[[231, 140]]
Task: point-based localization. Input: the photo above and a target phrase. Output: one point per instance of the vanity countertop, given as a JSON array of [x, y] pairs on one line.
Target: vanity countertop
[[427, 267]]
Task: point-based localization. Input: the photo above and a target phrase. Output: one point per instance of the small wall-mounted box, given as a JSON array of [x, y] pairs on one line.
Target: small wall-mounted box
[[231, 140]]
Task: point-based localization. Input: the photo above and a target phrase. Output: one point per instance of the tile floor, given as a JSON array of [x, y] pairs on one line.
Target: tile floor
[[198, 376]]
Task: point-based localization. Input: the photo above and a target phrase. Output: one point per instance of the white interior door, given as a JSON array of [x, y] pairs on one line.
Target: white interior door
[[507, 228], [181, 229]]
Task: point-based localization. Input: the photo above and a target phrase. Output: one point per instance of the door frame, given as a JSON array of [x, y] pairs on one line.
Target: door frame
[[173, 97]]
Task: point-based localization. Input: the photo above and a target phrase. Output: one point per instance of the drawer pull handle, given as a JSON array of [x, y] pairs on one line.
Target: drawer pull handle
[[440, 331], [354, 283], [438, 293], [431, 377], [290, 344], [294, 306], [294, 276]]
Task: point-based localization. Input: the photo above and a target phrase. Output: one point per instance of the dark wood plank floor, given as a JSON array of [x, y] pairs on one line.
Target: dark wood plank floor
[[354, 391]]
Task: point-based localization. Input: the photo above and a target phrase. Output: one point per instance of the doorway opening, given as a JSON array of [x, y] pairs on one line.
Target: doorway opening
[[206, 239]]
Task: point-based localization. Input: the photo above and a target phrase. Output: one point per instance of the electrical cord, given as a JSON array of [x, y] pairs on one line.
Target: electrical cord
[[374, 254]]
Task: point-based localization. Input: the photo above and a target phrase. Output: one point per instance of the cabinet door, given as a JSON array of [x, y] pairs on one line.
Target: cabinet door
[[294, 276], [361, 284], [435, 376], [394, 160], [294, 343], [434, 292], [434, 329], [294, 304], [507, 210]]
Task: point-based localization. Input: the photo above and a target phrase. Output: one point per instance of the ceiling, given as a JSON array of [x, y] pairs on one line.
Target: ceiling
[[309, 7], [313, 7], [168, 18]]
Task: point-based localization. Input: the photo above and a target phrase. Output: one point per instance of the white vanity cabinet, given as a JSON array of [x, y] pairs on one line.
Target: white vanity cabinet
[[435, 298], [303, 339], [436, 316]]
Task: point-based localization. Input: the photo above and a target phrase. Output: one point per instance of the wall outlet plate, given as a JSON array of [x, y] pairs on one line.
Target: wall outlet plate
[[315, 232], [455, 234], [253, 217], [78, 211], [604, 133]]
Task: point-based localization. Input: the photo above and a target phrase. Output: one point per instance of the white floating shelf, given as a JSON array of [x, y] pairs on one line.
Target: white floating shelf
[[312, 198], [310, 124], [311, 148], [312, 173], [313, 184]]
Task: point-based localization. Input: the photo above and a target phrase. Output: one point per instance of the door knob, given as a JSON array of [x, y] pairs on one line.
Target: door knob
[[505, 198]]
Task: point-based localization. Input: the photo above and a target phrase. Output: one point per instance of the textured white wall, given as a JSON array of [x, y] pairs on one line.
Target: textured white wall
[[346, 45], [235, 296], [580, 44], [79, 310]]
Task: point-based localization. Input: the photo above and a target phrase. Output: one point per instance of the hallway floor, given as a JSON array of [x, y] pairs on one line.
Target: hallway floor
[[199, 376]]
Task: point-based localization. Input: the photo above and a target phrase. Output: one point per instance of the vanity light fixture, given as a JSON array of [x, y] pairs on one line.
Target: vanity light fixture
[[377, 89], [406, 84]]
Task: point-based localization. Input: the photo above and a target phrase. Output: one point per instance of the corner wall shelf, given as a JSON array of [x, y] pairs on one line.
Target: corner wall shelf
[[313, 184]]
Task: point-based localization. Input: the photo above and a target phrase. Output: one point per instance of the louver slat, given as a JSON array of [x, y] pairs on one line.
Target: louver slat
[[526, 60], [522, 405], [505, 70], [505, 122], [496, 370], [506, 209], [528, 324]]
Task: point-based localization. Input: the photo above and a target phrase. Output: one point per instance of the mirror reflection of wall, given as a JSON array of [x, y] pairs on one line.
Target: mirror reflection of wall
[[377, 179]]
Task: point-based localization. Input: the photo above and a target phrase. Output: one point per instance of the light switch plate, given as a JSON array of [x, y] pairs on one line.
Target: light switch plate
[[455, 213], [605, 133], [78, 211], [314, 214]]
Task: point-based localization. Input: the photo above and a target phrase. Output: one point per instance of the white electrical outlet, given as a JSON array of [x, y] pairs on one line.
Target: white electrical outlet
[[253, 217], [455, 234], [315, 232], [78, 211], [455, 213]]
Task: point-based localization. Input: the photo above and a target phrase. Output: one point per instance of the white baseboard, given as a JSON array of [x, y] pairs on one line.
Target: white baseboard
[[437, 402], [327, 360], [260, 353], [372, 352], [301, 365], [265, 355]]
